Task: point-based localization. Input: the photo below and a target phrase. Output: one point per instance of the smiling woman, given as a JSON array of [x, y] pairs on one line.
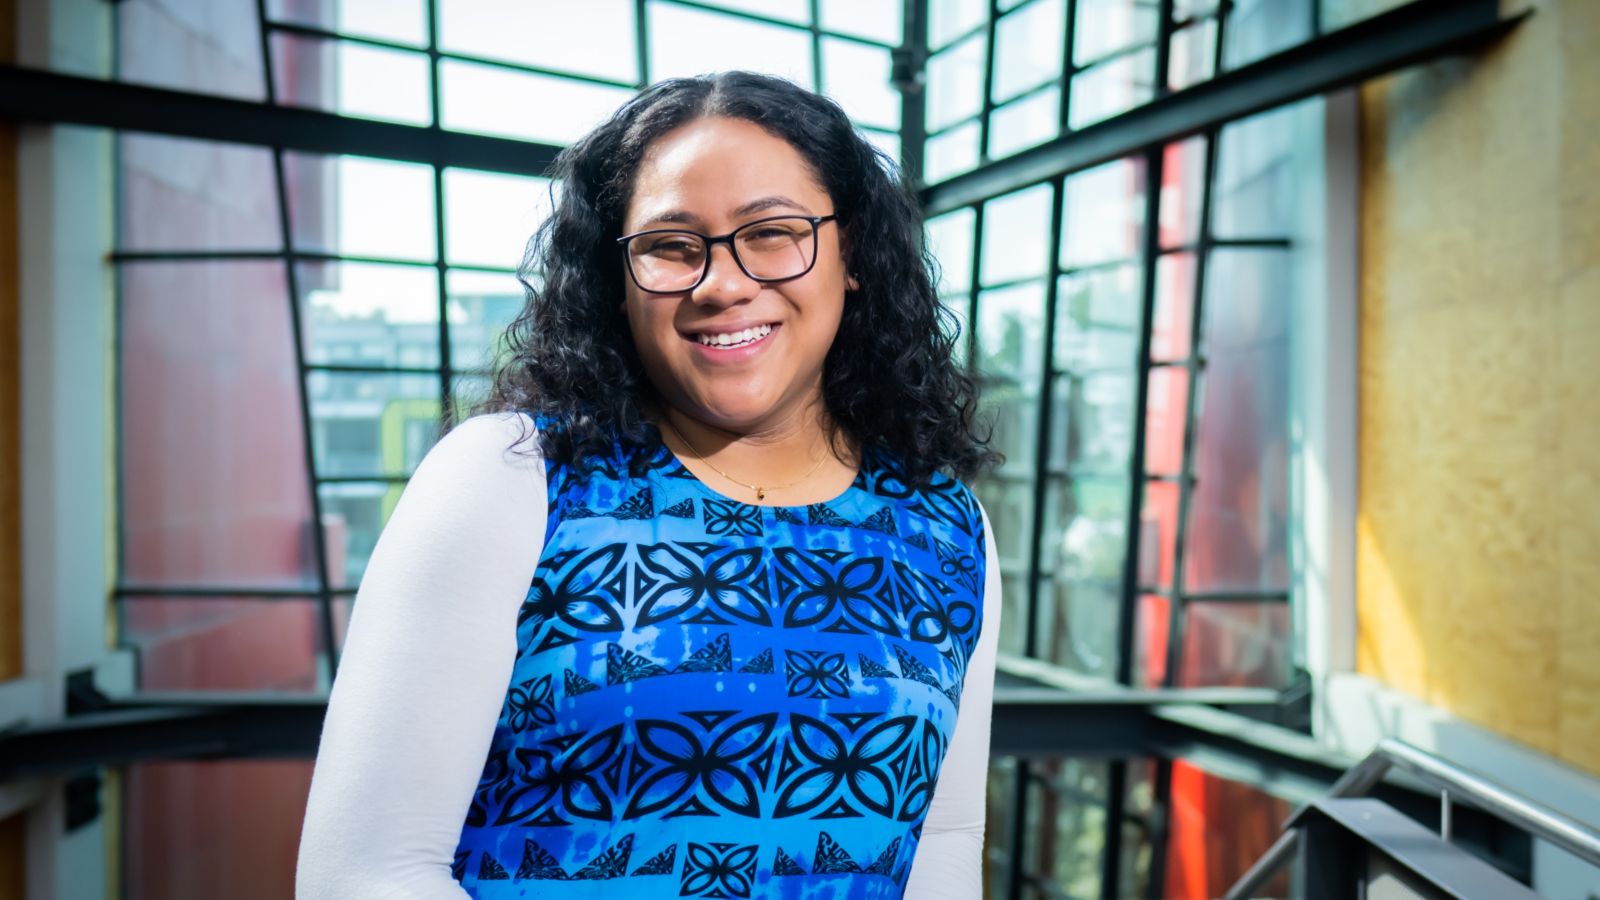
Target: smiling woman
[[730, 629]]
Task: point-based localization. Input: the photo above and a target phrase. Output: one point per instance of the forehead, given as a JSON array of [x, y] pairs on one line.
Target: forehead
[[706, 169]]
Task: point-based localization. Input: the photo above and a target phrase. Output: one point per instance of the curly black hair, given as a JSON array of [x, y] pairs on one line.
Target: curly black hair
[[889, 380]]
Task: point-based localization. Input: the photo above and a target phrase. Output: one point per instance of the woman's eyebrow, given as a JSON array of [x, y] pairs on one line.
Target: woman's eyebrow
[[684, 217]]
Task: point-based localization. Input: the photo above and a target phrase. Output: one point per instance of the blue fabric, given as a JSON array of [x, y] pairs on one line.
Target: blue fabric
[[716, 699]]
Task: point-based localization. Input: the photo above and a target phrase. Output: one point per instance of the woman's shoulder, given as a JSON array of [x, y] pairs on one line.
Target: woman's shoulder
[[486, 450]]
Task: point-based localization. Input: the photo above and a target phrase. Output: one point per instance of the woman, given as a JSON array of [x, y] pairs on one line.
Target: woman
[[757, 654]]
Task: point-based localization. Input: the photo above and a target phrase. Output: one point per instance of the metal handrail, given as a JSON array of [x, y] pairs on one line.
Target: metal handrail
[[1450, 779]]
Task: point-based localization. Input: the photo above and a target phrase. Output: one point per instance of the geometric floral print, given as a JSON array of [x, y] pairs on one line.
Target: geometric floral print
[[716, 699]]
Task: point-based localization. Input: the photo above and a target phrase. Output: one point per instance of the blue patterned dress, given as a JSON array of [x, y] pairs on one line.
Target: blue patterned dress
[[717, 699]]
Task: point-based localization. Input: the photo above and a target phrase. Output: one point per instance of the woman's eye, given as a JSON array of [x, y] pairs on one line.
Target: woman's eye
[[673, 245]]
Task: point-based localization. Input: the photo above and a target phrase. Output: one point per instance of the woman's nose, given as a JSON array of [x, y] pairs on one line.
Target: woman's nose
[[725, 281]]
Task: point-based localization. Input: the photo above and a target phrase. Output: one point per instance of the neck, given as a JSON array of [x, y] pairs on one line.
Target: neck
[[793, 458]]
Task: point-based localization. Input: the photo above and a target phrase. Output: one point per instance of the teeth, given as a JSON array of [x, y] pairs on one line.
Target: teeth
[[735, 338]]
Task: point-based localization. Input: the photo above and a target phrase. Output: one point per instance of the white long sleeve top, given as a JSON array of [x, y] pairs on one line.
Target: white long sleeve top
[[424, 671]]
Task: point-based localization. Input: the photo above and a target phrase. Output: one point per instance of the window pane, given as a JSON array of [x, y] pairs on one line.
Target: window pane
[[402, 21], [179, 194], [1079, 631], [857, 76], [1066, 820], [1104, 214], [354, 79], [192, 45], [955, 83], [1016, 235], [1240, 507], [1154, 624], [875, 19], [1112, 87], [1008, 499], [1165, 420], [357, 511], [1261, 162], [1194, 51], [1204, 806], [1085, 545], [1182, 196], [210, 496], [1260, 28], [1235, 644], [1010, 329], [170, 807], [686, 41], [1028, 48], [1170, 332], [796, 11], [490, 100], [950, 241], [595, 37], [228, 643], [951, 153], [482, 304], [1097, 321], [1158, 529], [1106, 26], [356, 206], [368, 314], [489, 217], [1100, 427], [949, 19], [356, 419], [1025, 123]]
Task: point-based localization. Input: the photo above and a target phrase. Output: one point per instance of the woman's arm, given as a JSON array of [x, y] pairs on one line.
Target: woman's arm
[[424, 671], [949, 860]]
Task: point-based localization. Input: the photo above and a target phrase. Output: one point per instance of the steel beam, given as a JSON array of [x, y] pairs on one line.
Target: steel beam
[[33, 95]]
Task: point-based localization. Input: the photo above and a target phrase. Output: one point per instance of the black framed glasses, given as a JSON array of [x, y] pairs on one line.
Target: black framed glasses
[[674, 260]]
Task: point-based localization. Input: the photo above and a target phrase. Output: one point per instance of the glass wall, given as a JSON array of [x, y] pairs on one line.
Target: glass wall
[[294, 326]]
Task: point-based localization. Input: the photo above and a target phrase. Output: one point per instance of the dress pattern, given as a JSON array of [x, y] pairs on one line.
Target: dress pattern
[[717, 699]]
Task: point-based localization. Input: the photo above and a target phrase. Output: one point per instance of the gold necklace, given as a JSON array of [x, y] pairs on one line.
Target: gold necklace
[[761, 492]]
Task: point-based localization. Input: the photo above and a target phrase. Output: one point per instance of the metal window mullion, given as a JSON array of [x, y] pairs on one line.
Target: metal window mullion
[[1019, 825], [319, 538], [1223, 14], [1042, 437], [912, 72], [1064, 108], [441, 271], [814, 12], [987, 110], [641, 36]]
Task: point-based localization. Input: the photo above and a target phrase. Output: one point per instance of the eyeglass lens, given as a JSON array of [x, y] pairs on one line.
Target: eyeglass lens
[[772, 250]]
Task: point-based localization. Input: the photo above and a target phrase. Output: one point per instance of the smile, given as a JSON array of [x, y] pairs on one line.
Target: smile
[[729, 340]]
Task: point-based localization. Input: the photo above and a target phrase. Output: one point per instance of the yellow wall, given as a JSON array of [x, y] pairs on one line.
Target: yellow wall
[[1479, 532]]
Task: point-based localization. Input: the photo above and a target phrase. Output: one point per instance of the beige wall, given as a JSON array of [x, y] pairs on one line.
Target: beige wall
[[1479, 532]]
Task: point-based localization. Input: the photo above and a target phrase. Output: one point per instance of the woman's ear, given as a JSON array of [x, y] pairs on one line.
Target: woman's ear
[[851, 283]]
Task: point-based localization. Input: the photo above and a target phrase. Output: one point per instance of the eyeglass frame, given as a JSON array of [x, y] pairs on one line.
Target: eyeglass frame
[[710, 242]]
